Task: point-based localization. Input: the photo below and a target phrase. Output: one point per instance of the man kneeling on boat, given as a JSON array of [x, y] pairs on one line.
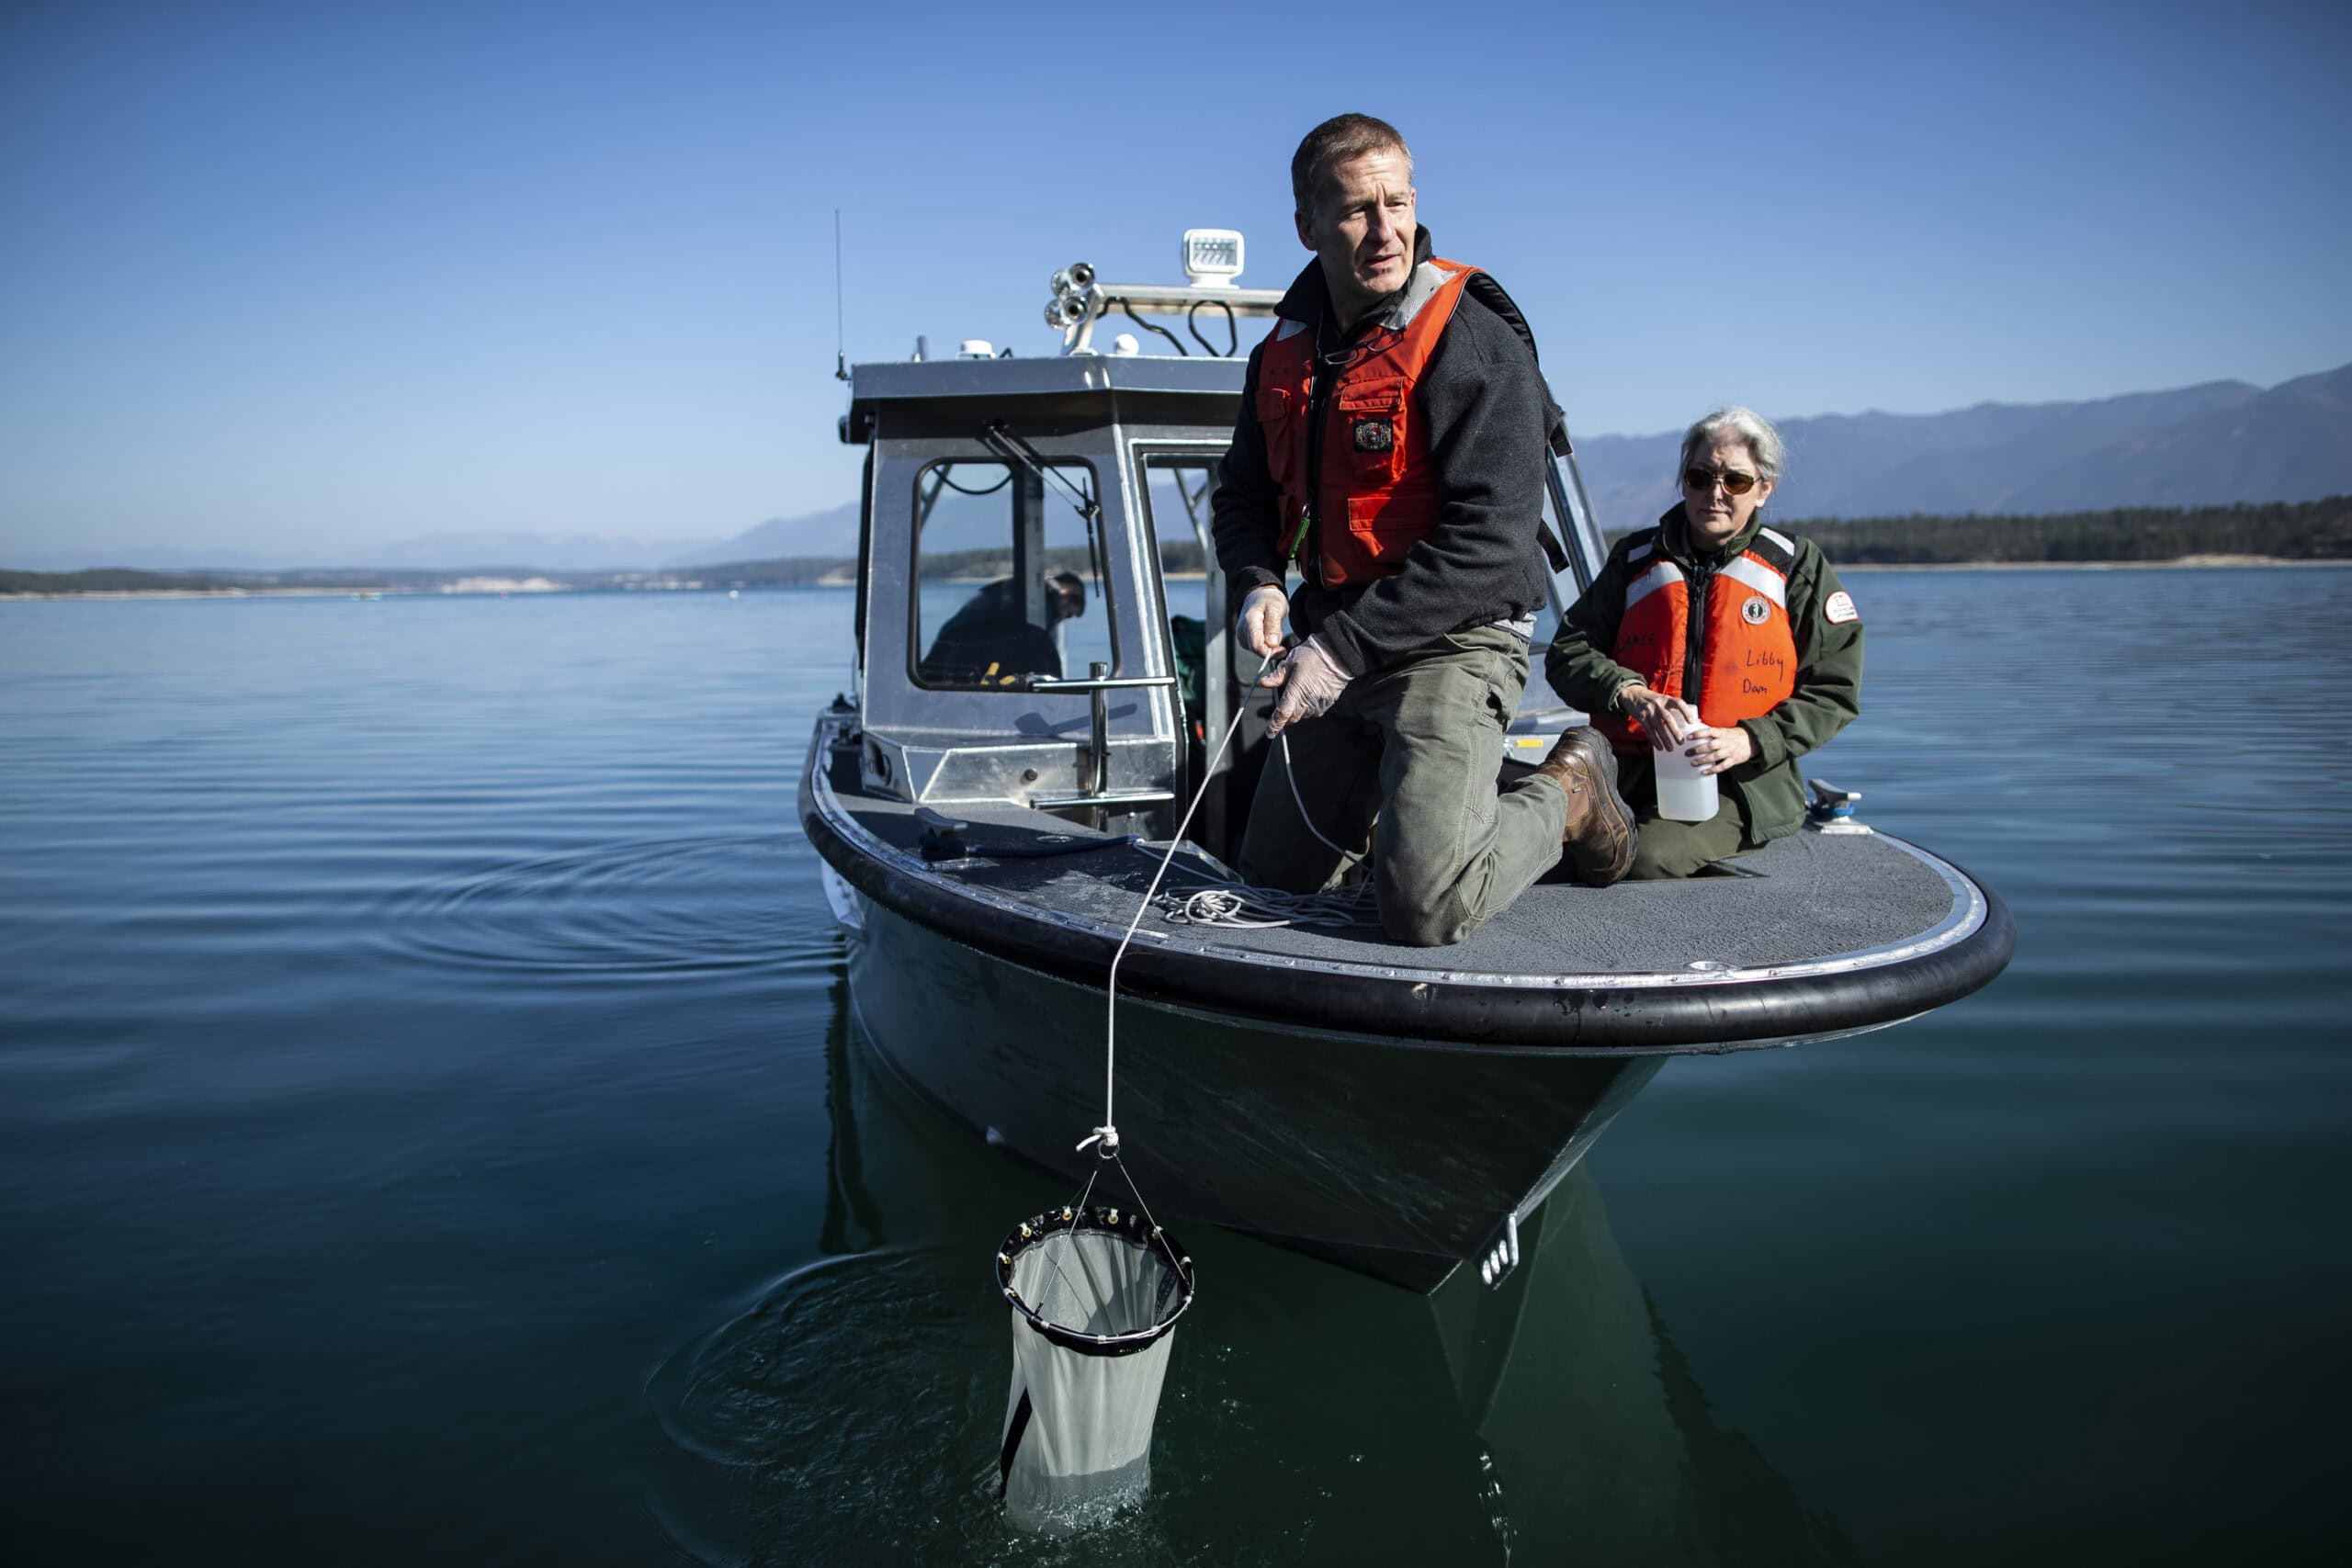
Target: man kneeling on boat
[[1392, 442]]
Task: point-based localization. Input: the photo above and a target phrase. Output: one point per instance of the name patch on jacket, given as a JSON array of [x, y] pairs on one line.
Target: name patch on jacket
[[1374, 433], [1840, 609]]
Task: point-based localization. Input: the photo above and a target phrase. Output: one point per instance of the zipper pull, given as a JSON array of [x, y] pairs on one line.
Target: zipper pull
[[1298, 534]]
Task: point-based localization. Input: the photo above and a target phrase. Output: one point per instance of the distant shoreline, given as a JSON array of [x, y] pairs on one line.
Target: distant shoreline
[[2195, 563], [2202, 562]]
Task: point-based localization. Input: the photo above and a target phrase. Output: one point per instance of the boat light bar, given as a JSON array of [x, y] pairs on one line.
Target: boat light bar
[[1212, 257], [1212, 261]]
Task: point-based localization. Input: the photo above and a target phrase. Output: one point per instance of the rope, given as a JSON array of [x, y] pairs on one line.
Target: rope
[[1046, 1247], [1228, 903], [1264, 908], [1290, 777], [1109, 1132]]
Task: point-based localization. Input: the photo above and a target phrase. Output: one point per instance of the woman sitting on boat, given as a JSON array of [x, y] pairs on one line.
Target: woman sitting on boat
[[1714, 634]]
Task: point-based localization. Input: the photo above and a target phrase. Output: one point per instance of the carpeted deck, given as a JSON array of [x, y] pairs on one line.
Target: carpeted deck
[[1807, 897]]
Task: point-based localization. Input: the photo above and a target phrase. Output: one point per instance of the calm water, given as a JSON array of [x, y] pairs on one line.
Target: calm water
[[431, 1128]]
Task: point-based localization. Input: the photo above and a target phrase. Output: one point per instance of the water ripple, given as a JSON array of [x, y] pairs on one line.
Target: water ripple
[[657, 907], [855, 1401]]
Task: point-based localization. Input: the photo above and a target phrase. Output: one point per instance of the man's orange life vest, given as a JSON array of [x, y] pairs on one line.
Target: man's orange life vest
[[1743, 655], [1377, 497]]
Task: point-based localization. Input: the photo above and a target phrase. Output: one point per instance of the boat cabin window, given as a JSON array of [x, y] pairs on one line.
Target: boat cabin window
[[1176, 493], [1176, 490], [1009, 576]]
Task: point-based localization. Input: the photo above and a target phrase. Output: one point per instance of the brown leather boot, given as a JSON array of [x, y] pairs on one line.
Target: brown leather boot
[[1600, 832]]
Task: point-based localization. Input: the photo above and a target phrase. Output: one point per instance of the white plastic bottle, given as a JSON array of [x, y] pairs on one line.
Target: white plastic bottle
[[1684, 794]]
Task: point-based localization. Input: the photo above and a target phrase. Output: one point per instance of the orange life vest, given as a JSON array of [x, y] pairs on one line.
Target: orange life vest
[[1377, 497], [1744, 656]]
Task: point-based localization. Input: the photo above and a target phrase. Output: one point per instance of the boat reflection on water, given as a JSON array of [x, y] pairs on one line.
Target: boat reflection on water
[[1601, 1438], [851, 1409]]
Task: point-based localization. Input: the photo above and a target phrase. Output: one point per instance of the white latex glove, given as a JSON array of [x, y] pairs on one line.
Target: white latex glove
[[1311, 680], [1258, 627]]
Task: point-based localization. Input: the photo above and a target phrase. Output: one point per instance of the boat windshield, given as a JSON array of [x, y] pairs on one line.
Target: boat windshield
[[1008, 579]]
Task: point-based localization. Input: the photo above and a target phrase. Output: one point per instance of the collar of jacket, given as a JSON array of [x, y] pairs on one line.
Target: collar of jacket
[[1674, 537], [1309, 296]]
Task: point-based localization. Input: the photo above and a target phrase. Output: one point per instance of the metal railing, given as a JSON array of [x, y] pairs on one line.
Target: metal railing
[[1099, 797]]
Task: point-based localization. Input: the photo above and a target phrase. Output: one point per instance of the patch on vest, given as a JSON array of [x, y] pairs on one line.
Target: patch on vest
[[1840, 609], [1756, 611], [1374, 433]]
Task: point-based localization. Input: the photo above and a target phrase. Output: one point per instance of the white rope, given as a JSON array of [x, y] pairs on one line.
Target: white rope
[[1266, 908], [1108, 1133], [1231, 904], [1290, 776]]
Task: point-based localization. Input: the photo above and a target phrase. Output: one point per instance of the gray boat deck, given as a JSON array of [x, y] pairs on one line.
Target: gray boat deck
[[1807, 899]]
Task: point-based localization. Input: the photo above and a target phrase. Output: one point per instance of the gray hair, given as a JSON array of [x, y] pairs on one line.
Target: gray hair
[[1763, 440], [1337, 139]]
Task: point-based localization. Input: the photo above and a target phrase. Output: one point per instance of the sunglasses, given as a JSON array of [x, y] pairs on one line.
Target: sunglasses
[[1703, 480]]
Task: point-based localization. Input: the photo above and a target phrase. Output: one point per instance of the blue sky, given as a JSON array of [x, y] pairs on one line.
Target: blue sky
[[301, 278]]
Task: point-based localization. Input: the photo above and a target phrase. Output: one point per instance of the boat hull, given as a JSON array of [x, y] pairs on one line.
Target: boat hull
[[1397, 1157]]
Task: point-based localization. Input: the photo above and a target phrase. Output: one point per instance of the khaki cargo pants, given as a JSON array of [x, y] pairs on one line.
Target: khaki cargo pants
[[1417, 749]]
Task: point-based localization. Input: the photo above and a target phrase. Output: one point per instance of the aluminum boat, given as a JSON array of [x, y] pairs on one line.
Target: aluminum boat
[[994, 791]]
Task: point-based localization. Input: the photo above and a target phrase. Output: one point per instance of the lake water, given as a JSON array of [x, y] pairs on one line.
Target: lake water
[[432, 1129]]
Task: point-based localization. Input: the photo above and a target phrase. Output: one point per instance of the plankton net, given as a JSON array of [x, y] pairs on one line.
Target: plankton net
[[1095, 1295]]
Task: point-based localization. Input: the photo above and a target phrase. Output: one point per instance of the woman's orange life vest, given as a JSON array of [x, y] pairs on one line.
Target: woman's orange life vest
[[1743, 653], [1377, 498]]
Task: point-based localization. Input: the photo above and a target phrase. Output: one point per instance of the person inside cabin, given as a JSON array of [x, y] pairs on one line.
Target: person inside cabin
[[989, 639], [1757, 615], [1392, 444]]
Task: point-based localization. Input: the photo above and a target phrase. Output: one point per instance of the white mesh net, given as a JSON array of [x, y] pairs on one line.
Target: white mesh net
[[1095, 1295]]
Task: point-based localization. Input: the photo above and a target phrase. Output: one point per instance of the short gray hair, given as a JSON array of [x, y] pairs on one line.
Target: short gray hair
[[1763, 440], [1337, 139]]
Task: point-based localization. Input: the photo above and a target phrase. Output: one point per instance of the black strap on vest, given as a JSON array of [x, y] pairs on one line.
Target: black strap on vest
[[1783, 561], [1483, 287]]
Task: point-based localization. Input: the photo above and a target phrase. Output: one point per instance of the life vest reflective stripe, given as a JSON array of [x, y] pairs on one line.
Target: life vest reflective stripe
[[1748, 569], [1747, 654], [1650, 581], [1377, 497]]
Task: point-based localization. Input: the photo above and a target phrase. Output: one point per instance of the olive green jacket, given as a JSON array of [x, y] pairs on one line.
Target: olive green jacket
[[1769, 785]]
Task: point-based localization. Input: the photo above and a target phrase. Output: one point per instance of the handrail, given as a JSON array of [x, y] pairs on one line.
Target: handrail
[[1107, 684], [1101, 802], [1098, 301], [1095, 787]]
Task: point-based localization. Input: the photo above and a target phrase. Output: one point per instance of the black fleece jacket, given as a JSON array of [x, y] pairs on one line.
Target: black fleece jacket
[[1485, 410]]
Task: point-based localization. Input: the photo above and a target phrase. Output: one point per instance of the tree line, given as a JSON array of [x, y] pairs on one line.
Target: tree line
[[2304, 530], [2298, 530]]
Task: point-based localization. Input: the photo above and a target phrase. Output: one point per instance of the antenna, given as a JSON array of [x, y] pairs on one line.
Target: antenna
[[840, 357]]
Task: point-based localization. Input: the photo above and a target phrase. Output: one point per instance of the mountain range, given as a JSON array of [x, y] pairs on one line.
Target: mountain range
[[833, 531], [2214, 444], [2211, 445]]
